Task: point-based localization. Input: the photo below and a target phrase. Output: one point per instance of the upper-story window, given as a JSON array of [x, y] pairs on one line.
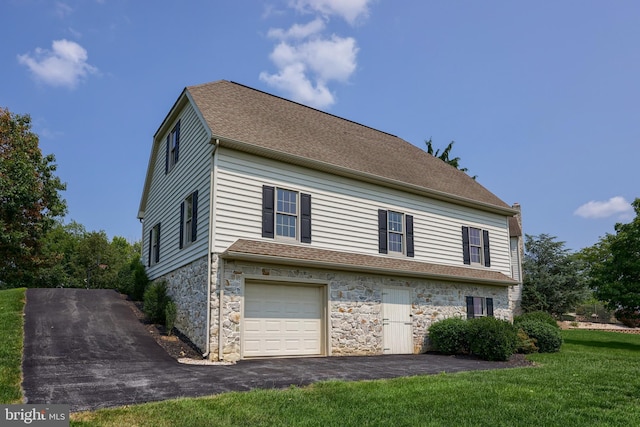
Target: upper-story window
[[189, 219], [475, 246], [173, 148], [154, 245], [395, 233], [286, 214]]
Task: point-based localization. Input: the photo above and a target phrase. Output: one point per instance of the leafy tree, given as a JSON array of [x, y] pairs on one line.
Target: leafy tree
[[553, 277], [29, 200], [444, 156], [77, 258], [614, 266]]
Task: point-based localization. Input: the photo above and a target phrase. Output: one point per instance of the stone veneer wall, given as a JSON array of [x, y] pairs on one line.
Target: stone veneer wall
[[355, 306], [187, 286]]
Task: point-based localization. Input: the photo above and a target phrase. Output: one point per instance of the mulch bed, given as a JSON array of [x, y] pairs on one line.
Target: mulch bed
[[176, 345]]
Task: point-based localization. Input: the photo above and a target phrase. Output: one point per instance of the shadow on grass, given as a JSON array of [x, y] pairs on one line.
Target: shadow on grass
[[619, 345]]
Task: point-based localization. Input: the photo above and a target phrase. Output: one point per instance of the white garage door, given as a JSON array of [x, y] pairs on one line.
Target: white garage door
[[282, 320]]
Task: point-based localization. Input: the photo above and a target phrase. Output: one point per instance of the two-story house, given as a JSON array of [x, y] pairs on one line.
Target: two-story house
[[282, 230]]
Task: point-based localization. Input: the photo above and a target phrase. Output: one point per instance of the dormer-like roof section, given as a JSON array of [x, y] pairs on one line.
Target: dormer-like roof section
[[251, 120]]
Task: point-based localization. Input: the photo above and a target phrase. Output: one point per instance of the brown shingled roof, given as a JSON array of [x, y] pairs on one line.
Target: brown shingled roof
[[261, 251], [247, 118]]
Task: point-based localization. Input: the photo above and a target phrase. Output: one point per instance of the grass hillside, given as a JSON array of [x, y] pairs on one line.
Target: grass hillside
[[11, 338]]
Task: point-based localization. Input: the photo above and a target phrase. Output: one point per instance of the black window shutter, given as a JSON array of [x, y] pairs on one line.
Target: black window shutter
[[489, 302], [409, 225], [268, 219], [166, 157], [470, 314], [465, 245], [305, 218], [487, 255], [158, 250], [175, 160], [194, 216], [150, 247], [181, 242], [382, 231]]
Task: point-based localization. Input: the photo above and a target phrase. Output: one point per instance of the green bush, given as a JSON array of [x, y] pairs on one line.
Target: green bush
[[548, 338], [155, 302], [140, 280], [450, 336], [525, 344], [132, 280], [538, 316], [170, 314], [491, 338]]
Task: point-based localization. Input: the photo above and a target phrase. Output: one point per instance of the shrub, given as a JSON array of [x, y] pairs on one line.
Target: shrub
[[450, 336], [155, 302], [538, 316], [628, 317], [170, 316], [524, 343], [140, 280], [491, 338], [548, 338]]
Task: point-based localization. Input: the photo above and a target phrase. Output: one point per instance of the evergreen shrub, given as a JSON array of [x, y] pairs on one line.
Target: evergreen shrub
[[155, 302], [548, 338], [538, 316], [491, 338], [450, 336]]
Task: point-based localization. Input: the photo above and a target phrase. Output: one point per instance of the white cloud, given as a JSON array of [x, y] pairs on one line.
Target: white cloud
[[64, 65], [306, 68], [349, 10], [614, 206], [308, 61], [298, 31]]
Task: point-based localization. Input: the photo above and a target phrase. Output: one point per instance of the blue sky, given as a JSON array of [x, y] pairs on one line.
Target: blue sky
[[542, 98]]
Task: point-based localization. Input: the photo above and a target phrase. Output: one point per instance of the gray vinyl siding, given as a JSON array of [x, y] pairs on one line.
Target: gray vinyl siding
[[344, 211], [515, 259], [167, 191]]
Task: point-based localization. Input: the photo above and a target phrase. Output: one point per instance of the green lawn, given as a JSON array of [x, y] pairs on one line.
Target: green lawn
[[11, 335], [593, 381]]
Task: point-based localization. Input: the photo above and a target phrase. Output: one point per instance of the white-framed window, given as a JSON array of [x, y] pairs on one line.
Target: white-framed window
[[154, 245], [173, 148], [475, 246], [395, 230], [286, 213], [479, 307], [189, 220], [395, 233]]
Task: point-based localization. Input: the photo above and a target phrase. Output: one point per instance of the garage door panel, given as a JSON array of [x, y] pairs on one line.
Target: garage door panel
[[282, 320]]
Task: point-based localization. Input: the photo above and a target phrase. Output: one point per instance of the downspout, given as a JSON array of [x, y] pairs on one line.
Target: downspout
[[207, 334], [220, 297]]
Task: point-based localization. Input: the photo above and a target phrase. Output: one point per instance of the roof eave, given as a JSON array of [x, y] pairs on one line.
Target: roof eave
[[362, 176], [272, 259]]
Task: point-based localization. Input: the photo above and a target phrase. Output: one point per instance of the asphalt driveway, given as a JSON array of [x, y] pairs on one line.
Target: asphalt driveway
[[86, 348]]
